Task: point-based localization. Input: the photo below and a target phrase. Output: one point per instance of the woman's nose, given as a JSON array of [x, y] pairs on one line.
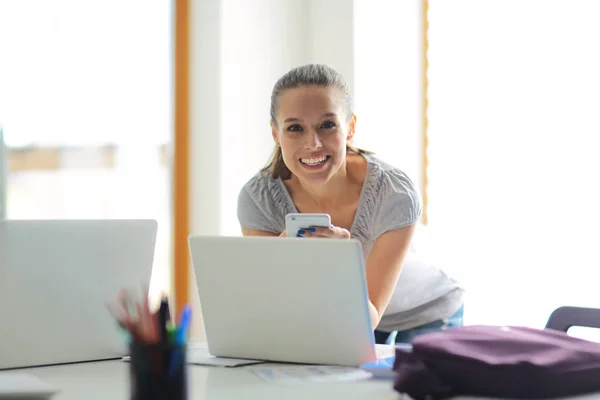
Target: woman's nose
[[312, 141]]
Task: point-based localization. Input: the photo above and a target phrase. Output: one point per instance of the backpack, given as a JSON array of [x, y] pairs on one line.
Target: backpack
[[497, 361]]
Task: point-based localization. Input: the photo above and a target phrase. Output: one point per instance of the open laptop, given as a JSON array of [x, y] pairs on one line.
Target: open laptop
[[299, 300], [55, 279]]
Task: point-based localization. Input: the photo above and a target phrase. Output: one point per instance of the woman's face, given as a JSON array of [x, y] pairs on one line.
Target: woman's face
[[312, 130]]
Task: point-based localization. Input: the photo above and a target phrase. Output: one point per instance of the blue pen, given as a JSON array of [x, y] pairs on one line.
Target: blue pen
[[184, 324], [186, 317]]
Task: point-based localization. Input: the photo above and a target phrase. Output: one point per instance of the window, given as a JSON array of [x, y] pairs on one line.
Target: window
[[513, 142], [387, 83], [85, 103]]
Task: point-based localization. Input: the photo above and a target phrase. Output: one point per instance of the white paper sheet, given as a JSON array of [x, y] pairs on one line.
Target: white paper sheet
[[290, 374]]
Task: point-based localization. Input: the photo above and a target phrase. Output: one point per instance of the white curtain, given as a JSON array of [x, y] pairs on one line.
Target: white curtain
[[514, 128]]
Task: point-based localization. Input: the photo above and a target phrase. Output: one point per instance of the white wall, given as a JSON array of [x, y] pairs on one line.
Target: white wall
[[261, 40], [331, 37], [205, 123], [205, 140], [241, 47], [388, 81]]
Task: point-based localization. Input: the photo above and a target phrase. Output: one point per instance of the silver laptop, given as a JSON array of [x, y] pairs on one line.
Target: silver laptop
[[294, 300], [55, 278]]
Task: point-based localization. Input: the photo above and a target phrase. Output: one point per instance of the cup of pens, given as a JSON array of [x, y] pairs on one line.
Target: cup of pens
[[157, 348]]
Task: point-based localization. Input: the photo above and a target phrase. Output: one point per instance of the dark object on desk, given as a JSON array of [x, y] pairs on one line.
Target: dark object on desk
[[164, 317], [495, 361], [158, 371], [566, 317]]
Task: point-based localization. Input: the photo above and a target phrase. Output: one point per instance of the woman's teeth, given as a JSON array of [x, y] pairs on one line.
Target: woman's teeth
[[313, 161]]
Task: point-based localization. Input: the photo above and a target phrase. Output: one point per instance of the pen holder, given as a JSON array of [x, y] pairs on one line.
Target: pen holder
[[158, 371]]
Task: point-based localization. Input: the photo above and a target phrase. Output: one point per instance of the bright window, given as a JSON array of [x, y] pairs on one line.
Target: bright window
[[514, 91], [85, 108]]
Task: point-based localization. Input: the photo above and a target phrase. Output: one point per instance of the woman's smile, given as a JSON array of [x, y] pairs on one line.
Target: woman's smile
[[314, 162]]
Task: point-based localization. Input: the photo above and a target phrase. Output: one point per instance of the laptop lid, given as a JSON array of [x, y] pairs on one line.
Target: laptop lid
[[291, 300], [55, 279]]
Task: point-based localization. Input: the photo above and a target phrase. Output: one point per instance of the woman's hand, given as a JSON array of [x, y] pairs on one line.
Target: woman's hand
[[319, 232]]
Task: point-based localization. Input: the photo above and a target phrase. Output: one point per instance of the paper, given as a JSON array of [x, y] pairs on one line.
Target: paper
[[14, 385], [384, 350], [328, 373], [290, 374], [388, 350]]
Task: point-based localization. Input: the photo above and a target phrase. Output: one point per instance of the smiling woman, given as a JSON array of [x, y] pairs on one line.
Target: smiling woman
[[309, 100], [315, 169]]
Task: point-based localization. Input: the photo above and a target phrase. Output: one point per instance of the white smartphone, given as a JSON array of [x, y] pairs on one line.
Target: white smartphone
[[295, 222]]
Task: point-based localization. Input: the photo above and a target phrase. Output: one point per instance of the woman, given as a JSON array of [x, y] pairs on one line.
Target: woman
[[315, 169]]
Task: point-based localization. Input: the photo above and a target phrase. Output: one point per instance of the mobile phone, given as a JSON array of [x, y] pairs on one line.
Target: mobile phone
[[296, 221]]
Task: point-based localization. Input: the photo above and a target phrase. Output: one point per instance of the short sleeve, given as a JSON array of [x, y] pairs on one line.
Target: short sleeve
[[255, 207], [398, 202]]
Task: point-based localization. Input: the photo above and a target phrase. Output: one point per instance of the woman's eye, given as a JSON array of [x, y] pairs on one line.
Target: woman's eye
[[294, 128], [328, 125]]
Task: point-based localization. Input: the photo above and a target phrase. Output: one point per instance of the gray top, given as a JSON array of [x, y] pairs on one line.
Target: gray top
[[388, 200]]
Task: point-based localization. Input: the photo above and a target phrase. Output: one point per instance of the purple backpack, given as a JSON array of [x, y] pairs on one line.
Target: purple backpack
[[496, 361]]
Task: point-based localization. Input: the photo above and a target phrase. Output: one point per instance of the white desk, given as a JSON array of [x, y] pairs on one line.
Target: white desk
[[109, 380]]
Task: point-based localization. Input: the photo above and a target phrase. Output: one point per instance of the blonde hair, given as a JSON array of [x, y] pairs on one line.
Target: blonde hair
[[307, 75]]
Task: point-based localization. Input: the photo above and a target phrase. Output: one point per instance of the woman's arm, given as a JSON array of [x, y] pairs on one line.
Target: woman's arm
[[383, 265], [383, 268]]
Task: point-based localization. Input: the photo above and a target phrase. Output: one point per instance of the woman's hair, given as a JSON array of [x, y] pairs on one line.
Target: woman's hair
[[306, 75]]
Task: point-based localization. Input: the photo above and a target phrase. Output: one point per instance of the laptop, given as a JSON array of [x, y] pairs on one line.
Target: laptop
[[295, 300], [55, 279]]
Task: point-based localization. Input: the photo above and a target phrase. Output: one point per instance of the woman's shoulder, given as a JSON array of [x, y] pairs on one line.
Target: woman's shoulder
[[392, 199], [262, 189], [258, 182], [388, 178], [262, 201]]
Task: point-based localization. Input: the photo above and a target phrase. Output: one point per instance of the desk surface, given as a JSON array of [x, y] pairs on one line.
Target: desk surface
[[109, 380]]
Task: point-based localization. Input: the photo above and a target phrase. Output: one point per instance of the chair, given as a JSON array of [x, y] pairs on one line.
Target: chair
[[564, 318]]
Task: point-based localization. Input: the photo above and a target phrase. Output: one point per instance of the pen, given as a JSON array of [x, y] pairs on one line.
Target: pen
[[168, 308], [163, 318], [171, 332], [184, 324], [186, 316]]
